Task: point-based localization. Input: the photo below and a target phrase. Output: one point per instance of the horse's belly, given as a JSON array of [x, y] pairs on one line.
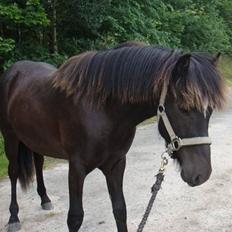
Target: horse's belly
[[42, 144], [35, 128]]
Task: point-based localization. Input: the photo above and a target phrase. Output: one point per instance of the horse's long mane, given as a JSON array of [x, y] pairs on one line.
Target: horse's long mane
[[136, 74]]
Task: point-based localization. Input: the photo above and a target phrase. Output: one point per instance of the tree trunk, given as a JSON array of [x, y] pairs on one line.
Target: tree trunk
[[54, 31], [53, 34]]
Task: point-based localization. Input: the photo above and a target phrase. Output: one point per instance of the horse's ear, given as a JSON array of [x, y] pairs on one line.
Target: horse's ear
[[216, 58], [181, 68]]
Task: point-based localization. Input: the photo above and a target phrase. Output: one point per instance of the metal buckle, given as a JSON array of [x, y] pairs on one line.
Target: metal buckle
[[164, 161], [176, 144], [161, 109]]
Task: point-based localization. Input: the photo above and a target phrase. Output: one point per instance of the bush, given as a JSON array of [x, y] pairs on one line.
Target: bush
[[35, 53]]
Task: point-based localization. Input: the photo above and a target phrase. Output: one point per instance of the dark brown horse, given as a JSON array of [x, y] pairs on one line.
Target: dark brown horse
[[87, 112]]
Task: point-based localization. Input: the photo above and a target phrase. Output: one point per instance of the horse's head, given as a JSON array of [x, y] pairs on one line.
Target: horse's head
[[194, 90]]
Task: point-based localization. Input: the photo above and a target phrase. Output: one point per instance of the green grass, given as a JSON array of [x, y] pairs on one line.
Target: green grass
[[3, 166], [225, 67], [3, 160], [148, 121]]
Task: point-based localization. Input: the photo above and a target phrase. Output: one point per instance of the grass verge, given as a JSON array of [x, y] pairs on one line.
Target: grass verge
[[148, 121], [225, 67], [3, 160]]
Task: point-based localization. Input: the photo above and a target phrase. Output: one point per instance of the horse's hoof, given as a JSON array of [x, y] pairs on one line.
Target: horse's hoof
[[12, 227], [47, 206]]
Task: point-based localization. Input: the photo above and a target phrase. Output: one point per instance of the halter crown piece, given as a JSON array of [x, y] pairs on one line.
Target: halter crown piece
[[176, 142]]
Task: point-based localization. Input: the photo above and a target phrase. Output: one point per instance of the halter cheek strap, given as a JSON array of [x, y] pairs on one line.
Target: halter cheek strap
[[176, 142]]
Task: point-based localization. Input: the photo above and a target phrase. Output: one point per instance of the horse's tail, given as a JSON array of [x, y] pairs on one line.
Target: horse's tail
[[26, 166], [1, 65]]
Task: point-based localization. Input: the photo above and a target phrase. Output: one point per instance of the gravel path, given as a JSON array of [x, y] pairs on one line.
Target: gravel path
[[179, 208]]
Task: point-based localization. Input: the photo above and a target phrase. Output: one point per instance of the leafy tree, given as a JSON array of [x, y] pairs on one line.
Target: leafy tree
[[21, 23], [51, 30]]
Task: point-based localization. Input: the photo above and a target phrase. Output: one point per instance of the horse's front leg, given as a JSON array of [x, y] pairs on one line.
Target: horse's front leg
[[45, 201], [114, 179], [77, 176]]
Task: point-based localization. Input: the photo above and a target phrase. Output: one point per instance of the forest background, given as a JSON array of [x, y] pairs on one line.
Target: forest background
[[53, 30]]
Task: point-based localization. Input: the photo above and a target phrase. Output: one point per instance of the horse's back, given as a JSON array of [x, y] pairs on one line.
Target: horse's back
[[22, 70], [34, 66], [20, 76], [25, 67]]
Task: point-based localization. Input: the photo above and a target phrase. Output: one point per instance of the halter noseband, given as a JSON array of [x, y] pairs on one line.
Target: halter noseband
[[176, 142]]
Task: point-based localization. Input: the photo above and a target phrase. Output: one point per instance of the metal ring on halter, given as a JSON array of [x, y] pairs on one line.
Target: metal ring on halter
[[176, 144], [161, 109]]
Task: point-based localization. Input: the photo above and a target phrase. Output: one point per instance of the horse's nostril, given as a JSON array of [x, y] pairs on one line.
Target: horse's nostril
[[193, 180], [197, 180]]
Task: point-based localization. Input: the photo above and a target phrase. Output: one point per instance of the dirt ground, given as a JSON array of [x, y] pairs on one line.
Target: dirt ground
[[179, 208]]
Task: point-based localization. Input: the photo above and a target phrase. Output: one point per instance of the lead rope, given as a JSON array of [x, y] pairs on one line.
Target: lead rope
[[154, 190]]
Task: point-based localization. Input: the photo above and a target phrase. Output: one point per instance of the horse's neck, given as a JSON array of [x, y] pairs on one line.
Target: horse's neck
[[133, 114], [143, 112]]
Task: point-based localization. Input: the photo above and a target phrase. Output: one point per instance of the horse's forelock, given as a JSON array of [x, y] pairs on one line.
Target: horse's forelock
[[203, 84]]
